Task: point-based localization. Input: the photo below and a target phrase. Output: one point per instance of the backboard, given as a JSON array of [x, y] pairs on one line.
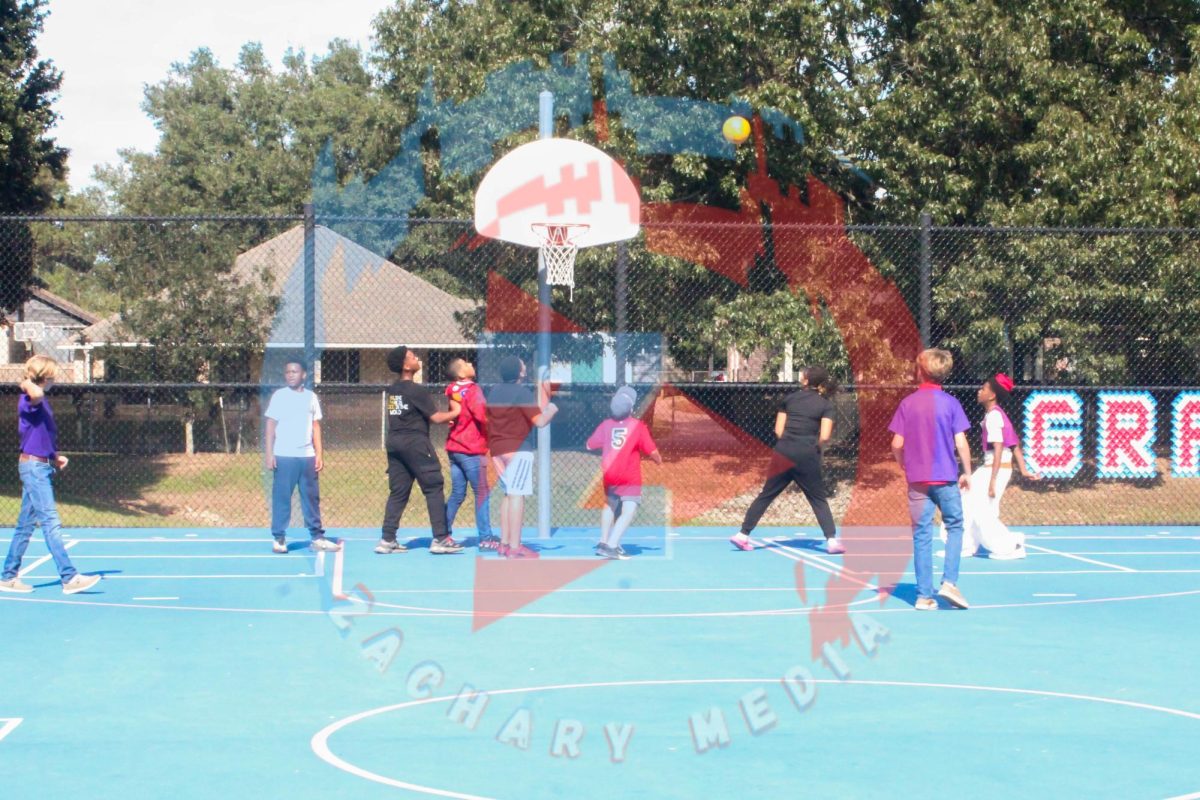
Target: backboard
[[557, 182]]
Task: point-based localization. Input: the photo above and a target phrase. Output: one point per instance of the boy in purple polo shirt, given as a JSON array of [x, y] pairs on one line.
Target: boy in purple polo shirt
[[39, 460], [928, 427]]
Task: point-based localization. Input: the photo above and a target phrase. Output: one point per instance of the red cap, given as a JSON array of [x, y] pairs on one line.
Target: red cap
[[1003, 381]]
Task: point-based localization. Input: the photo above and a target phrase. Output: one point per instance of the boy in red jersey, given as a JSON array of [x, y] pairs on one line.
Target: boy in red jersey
[[623, 440], [466, 448]]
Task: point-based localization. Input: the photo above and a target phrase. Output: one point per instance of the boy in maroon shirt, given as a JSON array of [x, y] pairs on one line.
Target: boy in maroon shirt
[[623, 439], [466, 448]]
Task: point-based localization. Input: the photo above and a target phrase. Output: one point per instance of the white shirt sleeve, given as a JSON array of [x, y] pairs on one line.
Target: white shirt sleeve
[[316, 407], [993, 423], [273, 406]]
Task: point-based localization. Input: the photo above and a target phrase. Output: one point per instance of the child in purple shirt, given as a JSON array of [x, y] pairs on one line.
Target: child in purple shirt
[[928, 428], [38, 462]]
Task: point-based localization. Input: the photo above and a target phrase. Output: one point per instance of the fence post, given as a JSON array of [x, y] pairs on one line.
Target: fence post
[[622, 299], [926, 269], [310, 292]]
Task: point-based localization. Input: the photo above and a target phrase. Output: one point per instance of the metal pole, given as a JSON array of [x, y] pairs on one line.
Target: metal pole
[[622, 300], [926, 280], [545, 131], [310, 293]]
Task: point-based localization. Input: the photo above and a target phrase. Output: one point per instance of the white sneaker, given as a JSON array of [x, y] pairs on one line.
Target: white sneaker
[[925, 604], [279, 546], [321, 543], [834, 546], [80, 583], [15, 585], [386, 547]]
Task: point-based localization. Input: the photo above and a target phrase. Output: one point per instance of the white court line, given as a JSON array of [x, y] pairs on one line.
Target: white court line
[[9, 724], [319, 564], [816, 563], [1079, 558], [201, 577], [1082, 572], [336, 583], [320, 740], [192, 556], [44, 559]]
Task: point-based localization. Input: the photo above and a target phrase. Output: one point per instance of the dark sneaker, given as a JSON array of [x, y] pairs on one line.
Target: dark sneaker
[[615, 553], [489, 543], [445, 546], [385, 547], [279, 546], [80, 583], [321, 543]]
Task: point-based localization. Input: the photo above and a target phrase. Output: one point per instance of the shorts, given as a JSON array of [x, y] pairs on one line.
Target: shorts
[[517, 478], [615, 495]]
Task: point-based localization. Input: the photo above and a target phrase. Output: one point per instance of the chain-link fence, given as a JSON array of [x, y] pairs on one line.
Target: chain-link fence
[[172, 332]]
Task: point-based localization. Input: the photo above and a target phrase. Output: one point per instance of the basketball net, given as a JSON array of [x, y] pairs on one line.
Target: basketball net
[[558, 251]]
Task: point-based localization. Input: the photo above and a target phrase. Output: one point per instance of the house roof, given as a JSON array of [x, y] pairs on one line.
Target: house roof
[[364, 300], [84, 316]]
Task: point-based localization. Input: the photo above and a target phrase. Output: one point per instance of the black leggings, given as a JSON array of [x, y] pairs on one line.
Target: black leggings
[[802, 464], [415, 463]]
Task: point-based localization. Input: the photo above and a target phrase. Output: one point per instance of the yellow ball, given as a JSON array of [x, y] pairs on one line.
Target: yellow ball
[[736, 129]]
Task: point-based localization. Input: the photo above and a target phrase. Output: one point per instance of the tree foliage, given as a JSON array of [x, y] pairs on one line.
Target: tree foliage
[[32, 165]]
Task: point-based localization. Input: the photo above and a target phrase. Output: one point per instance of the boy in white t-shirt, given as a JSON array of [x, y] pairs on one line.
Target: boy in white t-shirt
[[295, 454]]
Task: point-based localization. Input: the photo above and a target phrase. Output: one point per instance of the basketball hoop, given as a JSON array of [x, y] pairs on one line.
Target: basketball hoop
[[29, 331], [557, 248]]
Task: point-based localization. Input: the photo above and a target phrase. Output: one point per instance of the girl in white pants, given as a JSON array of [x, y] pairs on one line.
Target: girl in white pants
[[981, 504]]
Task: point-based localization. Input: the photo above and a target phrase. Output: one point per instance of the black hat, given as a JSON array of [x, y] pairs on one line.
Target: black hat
[[395, 359]]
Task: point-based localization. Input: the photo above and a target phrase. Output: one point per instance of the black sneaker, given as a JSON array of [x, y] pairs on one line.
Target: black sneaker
[[445, 546]]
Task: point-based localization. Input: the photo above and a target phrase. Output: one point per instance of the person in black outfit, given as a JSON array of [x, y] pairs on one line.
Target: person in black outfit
[[803, 425], [410, 409]]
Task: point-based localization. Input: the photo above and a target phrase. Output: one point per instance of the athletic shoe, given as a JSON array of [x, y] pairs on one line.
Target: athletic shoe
[[279, 546], [521, 552], [614, 553], [1013, 556], [502, 550], [834, 546], [926, 604], [15, 585], [385, 547], [950, 593], [445, 546], [489, 543], [80, 583], [321, 543], [741, 544]]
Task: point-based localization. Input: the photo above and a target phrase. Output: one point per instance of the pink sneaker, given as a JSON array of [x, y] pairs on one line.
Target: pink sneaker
[[502, 550], [521, 552], [741, 544]]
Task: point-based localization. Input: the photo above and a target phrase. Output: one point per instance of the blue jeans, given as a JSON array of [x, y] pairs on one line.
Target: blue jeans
[[37, 506], [290, 473], [922, 500], [466, 469]]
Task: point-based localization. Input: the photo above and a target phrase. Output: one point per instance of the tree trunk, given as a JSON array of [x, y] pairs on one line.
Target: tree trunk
[[189, 437]]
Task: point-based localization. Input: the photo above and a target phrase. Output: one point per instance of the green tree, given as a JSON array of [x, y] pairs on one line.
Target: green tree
[[1053, 112], [32, 165]]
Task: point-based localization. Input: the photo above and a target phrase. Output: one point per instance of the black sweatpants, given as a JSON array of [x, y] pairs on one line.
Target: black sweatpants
[[415, 461], [799, 462]]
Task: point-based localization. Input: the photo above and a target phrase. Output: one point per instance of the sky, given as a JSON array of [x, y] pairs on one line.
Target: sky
[[109, 50]]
